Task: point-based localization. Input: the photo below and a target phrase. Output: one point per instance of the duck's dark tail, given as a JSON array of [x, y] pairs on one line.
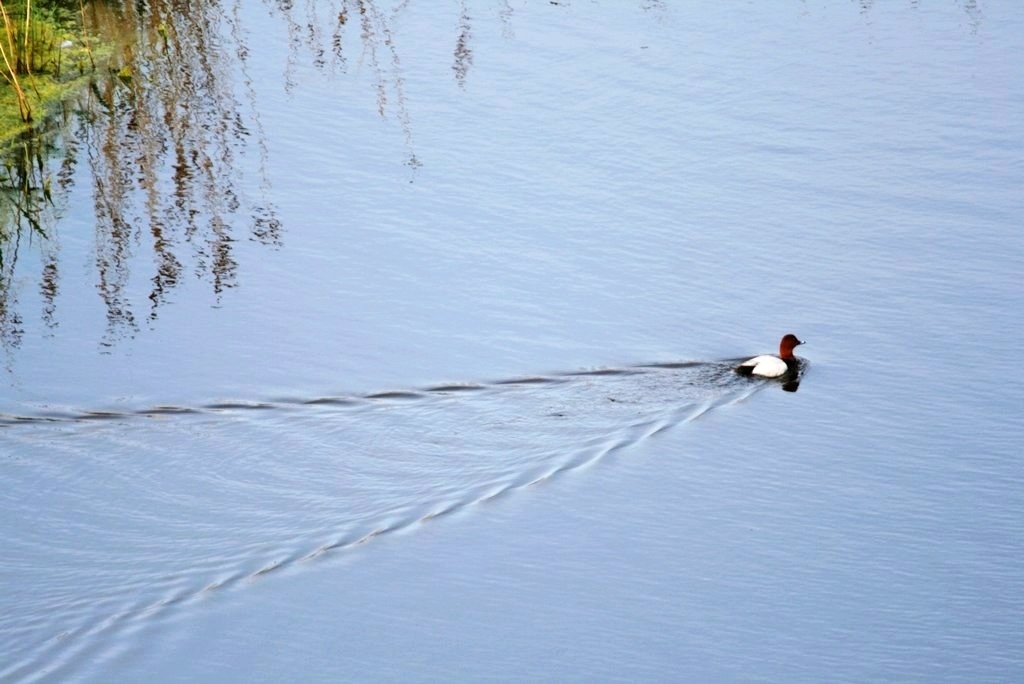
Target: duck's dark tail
[[745, 371]]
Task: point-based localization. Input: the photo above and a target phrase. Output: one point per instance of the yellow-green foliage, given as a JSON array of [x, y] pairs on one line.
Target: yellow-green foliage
[[43, 53]]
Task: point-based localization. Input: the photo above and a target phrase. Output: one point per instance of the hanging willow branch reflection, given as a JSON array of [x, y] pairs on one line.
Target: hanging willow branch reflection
[[379, 51], [163, 141], [167, 143], [26, 212]]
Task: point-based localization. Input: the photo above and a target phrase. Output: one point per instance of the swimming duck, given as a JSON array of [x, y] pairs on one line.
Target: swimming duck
[[770, 366]]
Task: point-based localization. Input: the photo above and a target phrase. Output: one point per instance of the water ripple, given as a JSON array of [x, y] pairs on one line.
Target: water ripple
[[117, 517]]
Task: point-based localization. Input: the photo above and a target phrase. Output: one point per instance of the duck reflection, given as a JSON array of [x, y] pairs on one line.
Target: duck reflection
[[790, 382]]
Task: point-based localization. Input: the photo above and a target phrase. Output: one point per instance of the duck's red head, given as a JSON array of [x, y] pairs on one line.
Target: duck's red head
[[787, 346]]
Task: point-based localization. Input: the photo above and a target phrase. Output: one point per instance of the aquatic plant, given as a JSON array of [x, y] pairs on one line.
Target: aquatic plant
[[36, 42], [12, 51]]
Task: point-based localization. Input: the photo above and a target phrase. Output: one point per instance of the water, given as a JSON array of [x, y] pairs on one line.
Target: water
[[325, 443]]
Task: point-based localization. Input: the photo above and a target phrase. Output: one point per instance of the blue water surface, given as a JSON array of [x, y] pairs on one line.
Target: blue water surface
[[373, 456]]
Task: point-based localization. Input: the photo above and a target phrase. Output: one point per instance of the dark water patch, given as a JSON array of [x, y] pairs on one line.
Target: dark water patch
[[598, 372], [100, 415], [396, 394], [234, 406], [532, 380], [329, 401], [451, 388], [675, 365], [171, 411]]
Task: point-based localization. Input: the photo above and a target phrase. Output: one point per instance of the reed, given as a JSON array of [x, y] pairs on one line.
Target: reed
[[33, 43], [12, 52]]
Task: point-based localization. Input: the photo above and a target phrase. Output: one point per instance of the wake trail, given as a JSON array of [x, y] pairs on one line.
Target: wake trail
[[193, 500]]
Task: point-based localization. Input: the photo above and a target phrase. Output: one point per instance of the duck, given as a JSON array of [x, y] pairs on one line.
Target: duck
[[771, 366]]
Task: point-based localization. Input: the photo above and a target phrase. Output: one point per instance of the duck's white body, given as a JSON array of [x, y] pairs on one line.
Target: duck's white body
[[767, 366]]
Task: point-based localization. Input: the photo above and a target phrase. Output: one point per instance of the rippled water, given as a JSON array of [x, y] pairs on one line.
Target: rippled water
[[272, 438], [275, 484]]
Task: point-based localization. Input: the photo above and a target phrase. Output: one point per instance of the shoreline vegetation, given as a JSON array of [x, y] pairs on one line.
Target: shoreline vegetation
[[46, 54]]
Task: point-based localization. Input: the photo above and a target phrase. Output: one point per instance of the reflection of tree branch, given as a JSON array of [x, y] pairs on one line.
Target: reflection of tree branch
[[266, 226], [49, 285], [26, 208], [367, 14], [378, 45], [11, 330], [337, 38], [463, 53], [398, 82], [113, 230], [165, 162], [163, 141], [505, 17]]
